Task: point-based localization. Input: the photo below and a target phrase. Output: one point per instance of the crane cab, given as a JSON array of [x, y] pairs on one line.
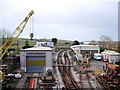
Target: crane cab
[[31, 36]]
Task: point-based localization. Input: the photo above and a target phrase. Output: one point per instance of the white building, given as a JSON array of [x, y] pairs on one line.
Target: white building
[[36, 59], [82, 49], [46, 44], [111, 56]]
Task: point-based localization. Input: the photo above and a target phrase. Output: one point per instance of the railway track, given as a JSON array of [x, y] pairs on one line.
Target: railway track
[[65, 71], [86, 80]]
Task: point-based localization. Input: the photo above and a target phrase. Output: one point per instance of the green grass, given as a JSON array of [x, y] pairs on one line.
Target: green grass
[[21, 43]]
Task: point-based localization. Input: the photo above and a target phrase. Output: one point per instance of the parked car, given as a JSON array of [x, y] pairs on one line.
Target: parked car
[[98, 56]]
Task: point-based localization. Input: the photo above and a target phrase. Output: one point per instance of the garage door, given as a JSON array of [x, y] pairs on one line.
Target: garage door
[[35, 63]]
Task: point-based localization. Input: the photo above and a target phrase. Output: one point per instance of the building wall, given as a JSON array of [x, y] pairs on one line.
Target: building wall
[[105, 56], [23, 61], [35, 61], [112, 58], [89, 49], [49, 59]]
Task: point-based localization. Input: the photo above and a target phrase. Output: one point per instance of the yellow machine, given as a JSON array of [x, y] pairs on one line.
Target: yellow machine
[[85, 61], [10, 41], [2, 75]]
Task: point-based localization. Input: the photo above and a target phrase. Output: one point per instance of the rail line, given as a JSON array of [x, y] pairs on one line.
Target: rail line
[[85, 82], [65, 71]]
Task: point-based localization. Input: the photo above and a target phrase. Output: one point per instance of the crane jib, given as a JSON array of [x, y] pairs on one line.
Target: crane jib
[[11, 40]]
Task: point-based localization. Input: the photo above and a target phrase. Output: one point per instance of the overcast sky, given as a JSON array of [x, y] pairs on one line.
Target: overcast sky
[[81, 20]]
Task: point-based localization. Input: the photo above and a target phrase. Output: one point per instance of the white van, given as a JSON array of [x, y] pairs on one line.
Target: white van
[[97, 56]]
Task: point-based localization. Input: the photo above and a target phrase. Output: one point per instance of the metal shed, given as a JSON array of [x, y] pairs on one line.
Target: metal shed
[[111, 56], [35, 59], [83, 48]]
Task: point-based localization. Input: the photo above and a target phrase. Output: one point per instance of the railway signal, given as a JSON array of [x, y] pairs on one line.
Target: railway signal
[[83, 67]]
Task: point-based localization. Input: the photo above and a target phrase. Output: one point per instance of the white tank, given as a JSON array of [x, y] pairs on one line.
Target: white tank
[[18, 75]]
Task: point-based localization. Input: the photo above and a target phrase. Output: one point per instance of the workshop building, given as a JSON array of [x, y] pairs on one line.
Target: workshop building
[[83, 49], [36, 59], [111, 56]]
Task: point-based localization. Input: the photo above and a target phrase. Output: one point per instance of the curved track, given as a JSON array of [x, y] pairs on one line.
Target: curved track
[[65, 71]]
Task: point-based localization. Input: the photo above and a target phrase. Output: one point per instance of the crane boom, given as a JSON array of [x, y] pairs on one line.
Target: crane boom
[[10, 41]]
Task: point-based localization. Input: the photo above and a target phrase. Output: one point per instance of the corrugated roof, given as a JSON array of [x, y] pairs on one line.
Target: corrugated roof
[[110, 52], [37, 49]]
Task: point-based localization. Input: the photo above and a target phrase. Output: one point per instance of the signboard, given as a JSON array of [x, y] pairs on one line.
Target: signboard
[[35, 54]]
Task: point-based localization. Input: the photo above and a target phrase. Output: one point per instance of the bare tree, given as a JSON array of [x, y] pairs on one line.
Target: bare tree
[[105, 42], [76, 42], [54, 40], [4, 34]]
